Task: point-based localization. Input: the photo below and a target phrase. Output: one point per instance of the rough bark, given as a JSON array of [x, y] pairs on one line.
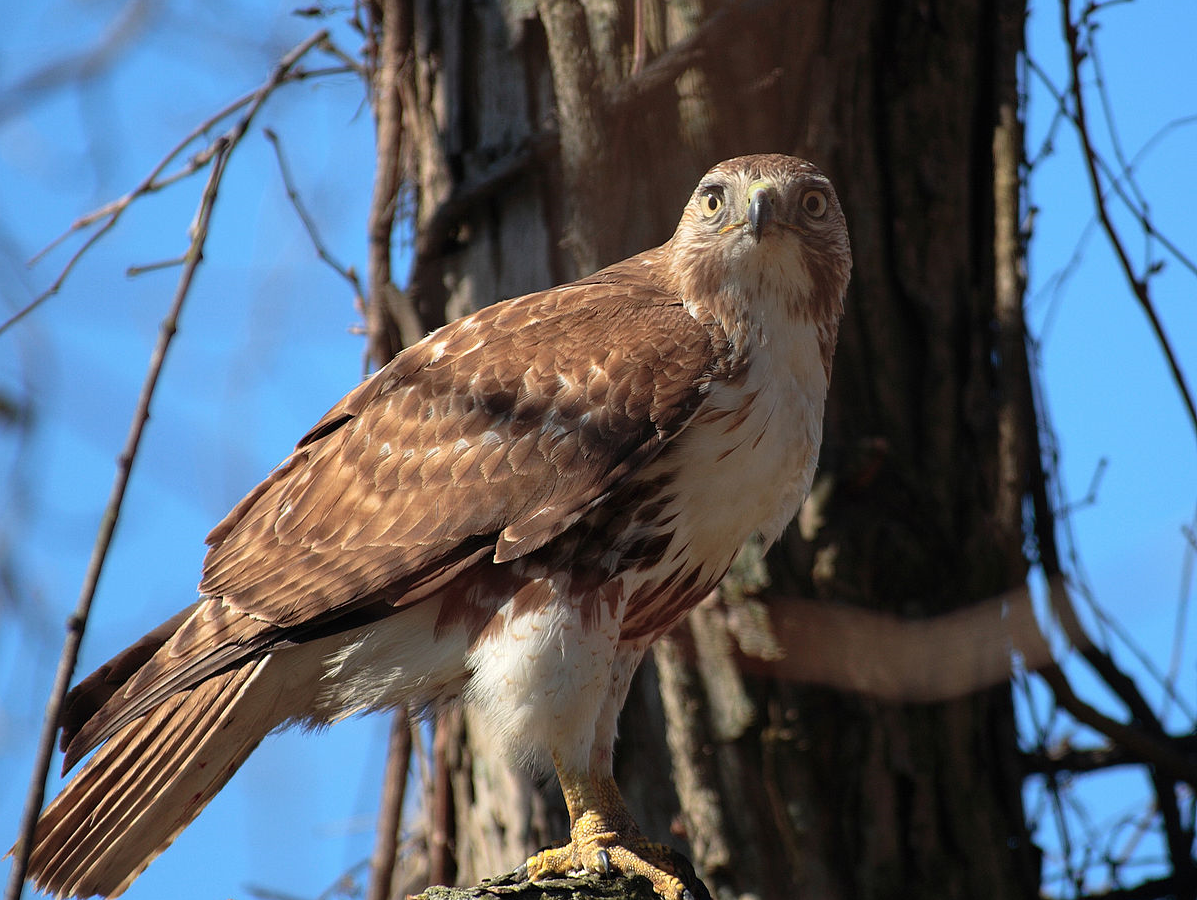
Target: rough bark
[[546, 138]]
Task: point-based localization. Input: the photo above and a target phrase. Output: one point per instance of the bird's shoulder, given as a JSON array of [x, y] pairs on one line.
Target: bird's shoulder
[[617, 321]]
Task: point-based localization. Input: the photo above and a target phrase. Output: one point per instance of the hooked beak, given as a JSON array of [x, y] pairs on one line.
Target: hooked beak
[[760, 209]]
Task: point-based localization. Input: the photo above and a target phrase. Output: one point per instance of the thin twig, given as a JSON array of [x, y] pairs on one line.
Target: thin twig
[[1125, 174], [134, 271], [1115, 138], [62, 276], [108, 214], [348, 62], [1147, 661], [309, 224], [1090, 498], [78, 620], [1179, 629], [1138, 285]]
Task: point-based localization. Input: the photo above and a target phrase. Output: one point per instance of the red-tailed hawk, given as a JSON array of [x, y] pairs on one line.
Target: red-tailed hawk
[[511, 511]]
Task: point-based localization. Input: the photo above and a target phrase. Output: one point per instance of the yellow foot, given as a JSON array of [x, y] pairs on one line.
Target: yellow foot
[[607, 853]]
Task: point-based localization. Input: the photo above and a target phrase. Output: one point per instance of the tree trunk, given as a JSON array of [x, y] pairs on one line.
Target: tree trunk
[[542, 140]]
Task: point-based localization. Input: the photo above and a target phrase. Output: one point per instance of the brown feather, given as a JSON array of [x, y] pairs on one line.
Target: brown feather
[[146, 785], [525, 497]]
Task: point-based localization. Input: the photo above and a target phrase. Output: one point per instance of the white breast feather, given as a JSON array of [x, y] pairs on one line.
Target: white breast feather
[[539, 681], [756, 476]]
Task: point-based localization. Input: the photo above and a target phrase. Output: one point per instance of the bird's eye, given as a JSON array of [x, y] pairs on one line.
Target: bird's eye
[[711, 201], [815, 203]]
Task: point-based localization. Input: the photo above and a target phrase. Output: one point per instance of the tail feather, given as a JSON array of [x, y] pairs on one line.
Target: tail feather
[[150, 780]]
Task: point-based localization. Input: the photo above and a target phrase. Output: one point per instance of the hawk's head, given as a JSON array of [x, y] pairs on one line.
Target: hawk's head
[[765, 233]]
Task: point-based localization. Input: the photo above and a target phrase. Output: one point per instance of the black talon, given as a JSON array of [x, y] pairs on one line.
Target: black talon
[[604, 860]]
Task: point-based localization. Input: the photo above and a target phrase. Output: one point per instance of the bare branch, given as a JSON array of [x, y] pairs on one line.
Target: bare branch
[[1167, 759], [1136, 206], [442, 850], [216, 153], [77, 623], [134, 271], [391, 320], [345, 885], [308, 223], [1137, 284], [1144, 736], [1179, 629], [1161, 754], [1076, 760], [390, 810], [109, 213], [1152, 889], [1090, 497]]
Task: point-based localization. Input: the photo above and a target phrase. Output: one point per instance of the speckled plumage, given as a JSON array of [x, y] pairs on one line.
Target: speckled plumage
[[511, 510]]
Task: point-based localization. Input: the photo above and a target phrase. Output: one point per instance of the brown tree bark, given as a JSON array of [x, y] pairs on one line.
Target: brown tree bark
[[542, 140]]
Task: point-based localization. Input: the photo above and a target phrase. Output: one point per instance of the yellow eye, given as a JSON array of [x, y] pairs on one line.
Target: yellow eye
[[815, 203], [711, 202]]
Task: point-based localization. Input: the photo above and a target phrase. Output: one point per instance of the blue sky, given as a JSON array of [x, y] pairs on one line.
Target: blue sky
[[266, 344]]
